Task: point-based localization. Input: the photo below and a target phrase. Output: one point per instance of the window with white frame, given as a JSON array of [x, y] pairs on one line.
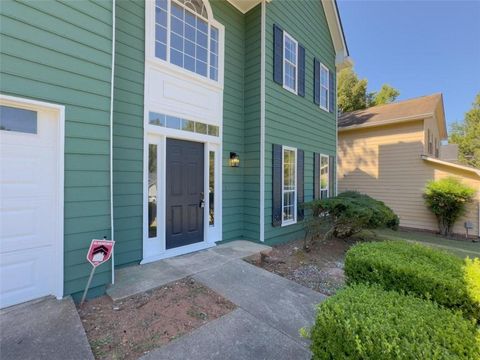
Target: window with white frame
[[289, 185], [324, 87], [290, 63], [184, 36], [324, 176]]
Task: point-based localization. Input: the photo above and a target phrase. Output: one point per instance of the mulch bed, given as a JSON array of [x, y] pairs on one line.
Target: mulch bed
[[320, 269], [129, 328]]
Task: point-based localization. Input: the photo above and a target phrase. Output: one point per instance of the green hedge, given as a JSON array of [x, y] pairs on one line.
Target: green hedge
[[366, 322], [418, 270]]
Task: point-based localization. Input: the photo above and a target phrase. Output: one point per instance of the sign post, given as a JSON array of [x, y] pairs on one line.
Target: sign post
[[99, 252]]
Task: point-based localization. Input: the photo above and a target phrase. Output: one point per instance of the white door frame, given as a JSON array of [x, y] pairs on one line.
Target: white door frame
[[36, 105], [155, 248]]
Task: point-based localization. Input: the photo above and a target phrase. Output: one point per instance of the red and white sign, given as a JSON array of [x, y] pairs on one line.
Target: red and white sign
[[100, 251]]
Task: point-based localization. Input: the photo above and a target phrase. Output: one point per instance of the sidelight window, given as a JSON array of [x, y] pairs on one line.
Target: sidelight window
[[289, 185], [152, 190]]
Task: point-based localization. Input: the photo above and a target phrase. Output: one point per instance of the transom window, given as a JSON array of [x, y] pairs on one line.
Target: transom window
[[324, 87], [289, 186], [184, 37], [324, 176], [290, 63]]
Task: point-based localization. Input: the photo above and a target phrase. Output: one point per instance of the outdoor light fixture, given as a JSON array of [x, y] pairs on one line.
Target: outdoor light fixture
[[234, 160]]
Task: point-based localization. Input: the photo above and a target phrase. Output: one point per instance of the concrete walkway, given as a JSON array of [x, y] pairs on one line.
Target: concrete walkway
[[139, 278], [43, 329], [270, 309]]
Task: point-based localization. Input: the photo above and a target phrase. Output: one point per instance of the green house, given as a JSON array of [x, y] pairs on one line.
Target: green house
[[167, 126]]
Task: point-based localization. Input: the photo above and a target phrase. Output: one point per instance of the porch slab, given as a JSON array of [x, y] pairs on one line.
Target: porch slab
[[237, 335], [132, 280], [43, 329]]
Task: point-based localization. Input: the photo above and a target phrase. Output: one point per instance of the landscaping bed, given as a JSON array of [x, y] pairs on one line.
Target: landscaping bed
[[129, 328], [320, 269]]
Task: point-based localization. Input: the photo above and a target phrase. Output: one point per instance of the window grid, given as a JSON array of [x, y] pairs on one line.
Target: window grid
[[290, 50], [289, 186], [185, 38], [324, 176], [324, 87]]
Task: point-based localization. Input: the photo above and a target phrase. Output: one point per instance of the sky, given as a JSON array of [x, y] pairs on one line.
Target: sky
[[418, 47]]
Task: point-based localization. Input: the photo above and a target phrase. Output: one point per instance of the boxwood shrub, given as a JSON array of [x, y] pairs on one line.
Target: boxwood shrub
[[418, 270], [367, 322]]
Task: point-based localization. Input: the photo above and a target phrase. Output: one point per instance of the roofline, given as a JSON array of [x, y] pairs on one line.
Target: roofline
[[418, 117], [342, 55], [448, 163]]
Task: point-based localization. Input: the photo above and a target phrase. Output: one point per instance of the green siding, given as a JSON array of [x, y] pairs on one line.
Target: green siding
[[128, 131], [290, 119], [233, 117], [251, 161], [59, 52]]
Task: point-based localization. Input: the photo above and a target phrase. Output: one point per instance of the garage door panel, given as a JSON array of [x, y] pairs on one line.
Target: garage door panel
[[20, 274], [29, 210]]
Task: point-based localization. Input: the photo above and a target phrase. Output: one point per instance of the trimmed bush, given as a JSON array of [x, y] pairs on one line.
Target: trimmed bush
[[366, 322], [349, 213], [447, 199], [418, 270]]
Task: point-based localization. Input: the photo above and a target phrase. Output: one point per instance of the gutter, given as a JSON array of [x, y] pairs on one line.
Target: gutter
[[112, 229], [262, 121]]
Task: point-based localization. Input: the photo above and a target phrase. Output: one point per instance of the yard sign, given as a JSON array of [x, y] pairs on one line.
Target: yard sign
[[99, 252]]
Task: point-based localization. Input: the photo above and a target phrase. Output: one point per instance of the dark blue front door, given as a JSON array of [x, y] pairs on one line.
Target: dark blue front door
[[184, 193]]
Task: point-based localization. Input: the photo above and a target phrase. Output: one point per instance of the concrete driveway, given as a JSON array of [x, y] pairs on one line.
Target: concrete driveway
[[43, 329]]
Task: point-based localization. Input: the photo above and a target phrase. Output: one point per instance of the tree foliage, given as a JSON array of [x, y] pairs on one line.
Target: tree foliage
[[447, 198], [386, 95], [467, 136], [352, 93]]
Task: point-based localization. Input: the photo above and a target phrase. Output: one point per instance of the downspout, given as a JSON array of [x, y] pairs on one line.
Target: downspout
[[262, 122], [111, 137]]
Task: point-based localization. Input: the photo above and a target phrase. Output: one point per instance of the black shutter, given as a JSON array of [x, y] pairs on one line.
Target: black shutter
[[300, 185], [332, 95], [277, 185], [277, 54], [316, 81], [301, 70], [316, 176], [331, 173]]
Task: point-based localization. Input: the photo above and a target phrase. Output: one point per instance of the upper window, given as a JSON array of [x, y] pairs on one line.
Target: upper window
[[324, 87], [324, 176], [19, 120], [289, 186], [184, 37], [290, 63]]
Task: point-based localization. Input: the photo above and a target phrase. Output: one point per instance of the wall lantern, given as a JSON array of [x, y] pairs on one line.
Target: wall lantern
[[234, 160]]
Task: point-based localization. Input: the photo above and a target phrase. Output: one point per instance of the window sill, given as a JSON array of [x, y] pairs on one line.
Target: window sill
[[288, 223], [324, 109], [293, 91], [186, 74]]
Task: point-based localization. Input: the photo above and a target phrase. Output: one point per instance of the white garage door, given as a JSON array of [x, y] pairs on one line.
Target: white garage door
[[29, 211]]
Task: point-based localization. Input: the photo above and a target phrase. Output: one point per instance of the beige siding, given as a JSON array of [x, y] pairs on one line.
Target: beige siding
[[385, 163]]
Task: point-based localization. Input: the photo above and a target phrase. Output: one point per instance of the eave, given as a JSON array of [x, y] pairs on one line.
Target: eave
[[450, 164]]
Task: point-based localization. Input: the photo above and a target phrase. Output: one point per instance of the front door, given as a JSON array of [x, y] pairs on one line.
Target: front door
[[184, 193]]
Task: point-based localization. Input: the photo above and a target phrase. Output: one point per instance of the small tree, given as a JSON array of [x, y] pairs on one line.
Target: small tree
[[447, 199]]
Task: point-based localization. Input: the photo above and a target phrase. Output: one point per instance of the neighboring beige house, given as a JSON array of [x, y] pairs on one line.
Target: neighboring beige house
[[391, 151]]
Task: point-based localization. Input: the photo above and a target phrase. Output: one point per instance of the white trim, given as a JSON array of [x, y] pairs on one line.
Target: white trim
[[294, 220], [327, 108], [284, 60], [60, 109], [262, 122], [112, 88], [245, 6], [178, 251]]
